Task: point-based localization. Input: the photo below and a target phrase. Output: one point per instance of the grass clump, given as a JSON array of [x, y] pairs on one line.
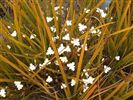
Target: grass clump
[[68, 50]]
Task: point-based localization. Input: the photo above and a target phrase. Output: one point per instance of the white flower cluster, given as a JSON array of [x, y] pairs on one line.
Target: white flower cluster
[[57, 8], [69, 22], [106, 69], [71, 66], [23, 35], [94, 31], [63, 49], [3, 93], [86, 48], [66, 37], [64, 59], [85, 87], [87, 81], [49, 79], [82, 27], [53, 29], [49, 51], [55, 38], [101, 12], [32, 67], [32, 36], [86, 10], [73, 82], [117, 58], [8, 46], [18, 84], [8, 27], [46, 62], [63, 86], [75, 42], [49, 19], [14, 34]]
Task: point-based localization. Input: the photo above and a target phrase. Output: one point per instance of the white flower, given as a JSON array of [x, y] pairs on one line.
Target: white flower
[[86, 10], [8, 46], [32, 67], [85, 47], [106, 69], [2, 93], [63, 86], [101, 12], [71, 66], [32, 36], [23, 35], [78, 49], [117, 58], [82, 27], [61, 49], [49, 79], [65, 29], [85, 87], [88, 80], [86, 74], [66, 37], [49, 19], [73, 82], [103, 59], [8, 27], [99, 32], [64, 59], [56, 8], [55, 38], [56, 62], [93, 30], [69, 22], [49, 51], [103, 15], [75, 42], [106, 8], [46, 62], [84, 70], [41, 65], [18, 85], [67, 49], [111, 18], [14, 34], [53, 29]]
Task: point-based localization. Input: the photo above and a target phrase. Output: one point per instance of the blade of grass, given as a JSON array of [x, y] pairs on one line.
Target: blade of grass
[[120, 31], [115, 91], [124, 15], [127, 95]]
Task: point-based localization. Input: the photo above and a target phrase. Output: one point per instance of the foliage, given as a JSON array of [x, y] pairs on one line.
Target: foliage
[[60, 49]]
